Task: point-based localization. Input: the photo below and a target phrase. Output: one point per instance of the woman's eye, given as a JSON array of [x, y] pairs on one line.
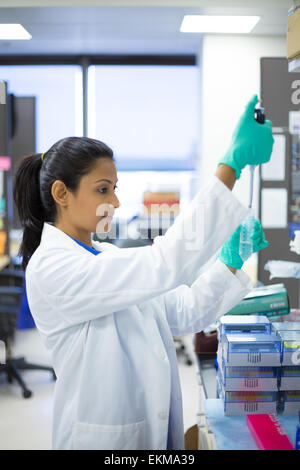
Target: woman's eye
[[104, 190]]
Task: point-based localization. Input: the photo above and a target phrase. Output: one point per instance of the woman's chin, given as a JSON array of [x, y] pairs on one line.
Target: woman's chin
[[103, 227]]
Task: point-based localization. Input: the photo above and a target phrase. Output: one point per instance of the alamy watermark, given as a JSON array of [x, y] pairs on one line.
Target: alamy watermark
[[296, 94], [190, 228]]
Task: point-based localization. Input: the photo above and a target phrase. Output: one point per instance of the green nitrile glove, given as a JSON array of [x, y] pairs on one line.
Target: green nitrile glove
[[229, 253], [251, 143]]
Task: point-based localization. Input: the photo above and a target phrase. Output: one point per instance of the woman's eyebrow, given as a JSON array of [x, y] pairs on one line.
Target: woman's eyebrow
[[104, 179]]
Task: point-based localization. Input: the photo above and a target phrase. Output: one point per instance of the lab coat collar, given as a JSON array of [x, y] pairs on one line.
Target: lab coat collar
[[54, 237]]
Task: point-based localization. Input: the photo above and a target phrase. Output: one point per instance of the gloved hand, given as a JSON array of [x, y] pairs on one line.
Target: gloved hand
[[251, 143], [229, 253]]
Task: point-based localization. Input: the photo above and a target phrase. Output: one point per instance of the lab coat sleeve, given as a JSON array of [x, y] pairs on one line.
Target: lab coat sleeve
[[213, 294], [88, 286]]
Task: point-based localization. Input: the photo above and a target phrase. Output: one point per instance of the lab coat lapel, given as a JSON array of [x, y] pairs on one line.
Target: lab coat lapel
[[54, 237]]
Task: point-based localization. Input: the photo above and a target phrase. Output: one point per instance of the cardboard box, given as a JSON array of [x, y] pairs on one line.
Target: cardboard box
[[266, 300], [293, 35]]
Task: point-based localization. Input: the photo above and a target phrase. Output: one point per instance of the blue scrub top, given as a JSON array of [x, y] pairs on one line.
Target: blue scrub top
[[92, 250]]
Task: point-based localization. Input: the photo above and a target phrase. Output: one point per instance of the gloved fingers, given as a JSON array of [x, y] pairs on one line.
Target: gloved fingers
[[258, 237], [250, 106], [268, 123], [237, 232], [230, 257], [260, 246], [256, 229]]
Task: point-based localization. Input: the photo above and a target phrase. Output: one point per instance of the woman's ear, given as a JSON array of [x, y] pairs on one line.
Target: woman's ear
[[60, 193]]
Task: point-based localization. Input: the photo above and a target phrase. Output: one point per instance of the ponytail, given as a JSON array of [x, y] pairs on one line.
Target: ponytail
[[28, 201], [67, 160]]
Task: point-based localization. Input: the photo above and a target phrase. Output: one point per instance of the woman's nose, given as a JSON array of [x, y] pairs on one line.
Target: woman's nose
[[116, 202]]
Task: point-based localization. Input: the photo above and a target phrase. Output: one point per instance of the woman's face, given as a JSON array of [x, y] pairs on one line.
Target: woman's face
[[92, 206]]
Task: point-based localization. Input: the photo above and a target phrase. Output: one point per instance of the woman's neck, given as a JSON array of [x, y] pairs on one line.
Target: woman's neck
[[80, 235]]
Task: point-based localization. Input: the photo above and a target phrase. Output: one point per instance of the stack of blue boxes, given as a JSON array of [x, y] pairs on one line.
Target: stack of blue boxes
[[258, 370], [289, 384]]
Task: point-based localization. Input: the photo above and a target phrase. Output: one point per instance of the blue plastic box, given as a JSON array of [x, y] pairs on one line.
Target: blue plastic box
[[285, 326], [256, 350], [290, 347], [240, 324], [248, 378], [291, 402], [290, 378], [243, 403]]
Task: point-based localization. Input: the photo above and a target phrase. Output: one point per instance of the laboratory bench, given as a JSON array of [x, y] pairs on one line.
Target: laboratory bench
[[232, 433], [217, 431]]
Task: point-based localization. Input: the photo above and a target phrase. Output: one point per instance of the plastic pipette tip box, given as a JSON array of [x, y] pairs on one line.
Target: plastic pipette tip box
[[267, 433], [285, 326], [290, 400], [290, 378], [239, 324], [246, 402], [249, 349], [248, 378], [290, 347]]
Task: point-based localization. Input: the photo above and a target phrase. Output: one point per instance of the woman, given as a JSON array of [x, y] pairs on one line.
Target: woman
[[108, 315]]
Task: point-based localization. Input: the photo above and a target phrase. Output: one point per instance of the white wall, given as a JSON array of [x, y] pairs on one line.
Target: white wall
[[230, 69], [230, 76]]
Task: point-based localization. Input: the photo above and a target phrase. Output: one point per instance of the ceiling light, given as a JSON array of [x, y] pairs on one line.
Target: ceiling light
[[13, 31], [218, 24]]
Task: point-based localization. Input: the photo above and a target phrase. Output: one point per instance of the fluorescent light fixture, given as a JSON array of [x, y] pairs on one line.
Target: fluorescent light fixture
[[13, 31], [218, 24]]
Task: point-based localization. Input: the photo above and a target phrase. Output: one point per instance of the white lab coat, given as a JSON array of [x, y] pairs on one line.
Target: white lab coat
[[108, 322]]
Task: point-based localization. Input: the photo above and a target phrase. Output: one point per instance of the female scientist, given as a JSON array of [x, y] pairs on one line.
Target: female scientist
[[108, 315]]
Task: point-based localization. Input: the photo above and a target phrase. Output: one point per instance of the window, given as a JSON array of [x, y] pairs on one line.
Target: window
[[58, 92], [132, 184], [147, 114]]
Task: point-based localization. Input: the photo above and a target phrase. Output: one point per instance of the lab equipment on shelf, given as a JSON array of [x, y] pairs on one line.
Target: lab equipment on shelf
[[248, 378], [289, 378], [290, 347], [271, 301], [242, 403], [290, 402], [258, 371], [244, 324], [249, 349], [285, 326]]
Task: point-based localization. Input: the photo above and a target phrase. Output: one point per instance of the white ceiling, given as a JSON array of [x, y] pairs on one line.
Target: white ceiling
[[126, 29]]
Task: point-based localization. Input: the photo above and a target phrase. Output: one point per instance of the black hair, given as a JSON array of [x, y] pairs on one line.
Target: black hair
[[67, 160]]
